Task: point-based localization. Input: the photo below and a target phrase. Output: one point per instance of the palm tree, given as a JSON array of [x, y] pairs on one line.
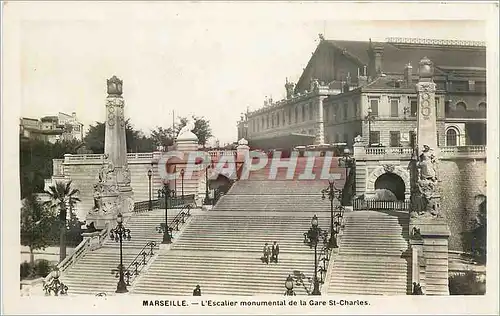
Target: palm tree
[[61, 196]]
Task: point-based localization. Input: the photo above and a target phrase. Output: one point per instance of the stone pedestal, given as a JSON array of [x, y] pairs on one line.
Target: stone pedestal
[[430, 253]]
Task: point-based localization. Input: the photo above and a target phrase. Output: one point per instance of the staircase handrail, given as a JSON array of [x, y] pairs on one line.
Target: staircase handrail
[[133, 270], [179, 219], [143, 206], [83, 247]]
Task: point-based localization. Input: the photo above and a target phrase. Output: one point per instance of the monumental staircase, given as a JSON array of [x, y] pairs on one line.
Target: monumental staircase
[[221, 249], [91, 273], [373, 257]]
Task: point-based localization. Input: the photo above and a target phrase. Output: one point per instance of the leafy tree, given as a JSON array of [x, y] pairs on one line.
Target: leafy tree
[[163, 136], [35, 161], [36, 223], [61, 196], [466, 284], [136, 141], [202, 128]]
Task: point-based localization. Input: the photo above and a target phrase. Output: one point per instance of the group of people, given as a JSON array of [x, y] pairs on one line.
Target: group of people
[[271, 253]]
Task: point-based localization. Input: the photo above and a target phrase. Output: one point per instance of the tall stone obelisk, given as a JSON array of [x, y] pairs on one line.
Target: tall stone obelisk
[[428, 229], [112, 192]]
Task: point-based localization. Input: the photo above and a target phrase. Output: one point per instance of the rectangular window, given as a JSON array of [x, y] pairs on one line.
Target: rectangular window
[[336, 138], [311, 111], [346, 111], [472, 85], [374, 137], [413, 138], [77, 128], [395, 138], [326, 114], [283, 118], [374, 106], [413, 108], [394, 107], [436, 106], [346, 138], [437, 138], [296, 115]]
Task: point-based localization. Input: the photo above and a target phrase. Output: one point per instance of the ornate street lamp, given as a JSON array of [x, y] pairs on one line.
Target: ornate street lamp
[[166, 193], [289, 286], [314, 235], [150, 203], [207, 197], [118, 234], [182, 184], [369, 117], [333, 192], [55, 285]]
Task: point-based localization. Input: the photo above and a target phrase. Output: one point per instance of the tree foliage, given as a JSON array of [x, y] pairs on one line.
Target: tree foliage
[[35, 161], [62, 196], [466, 284], [202, 128], [135, 139], [163, 136], [36, 224], [475, 239]]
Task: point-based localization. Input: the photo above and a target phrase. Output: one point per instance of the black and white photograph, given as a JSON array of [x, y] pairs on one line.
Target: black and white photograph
[[225, 157]]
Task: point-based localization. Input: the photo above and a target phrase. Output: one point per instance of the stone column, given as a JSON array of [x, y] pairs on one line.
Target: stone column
[[320, 134], [427, 224], [112, 191]]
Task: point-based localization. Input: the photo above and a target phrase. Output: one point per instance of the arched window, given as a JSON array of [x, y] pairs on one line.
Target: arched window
[[311, 111], [296, 114], [303, 113], [461, 107], [451, 137]]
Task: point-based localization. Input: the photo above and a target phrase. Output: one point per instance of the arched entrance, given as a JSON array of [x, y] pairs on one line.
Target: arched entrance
[[393, 183]]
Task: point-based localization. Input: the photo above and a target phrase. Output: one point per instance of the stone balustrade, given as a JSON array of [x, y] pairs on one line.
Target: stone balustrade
[[98, 158], [472, 151], [445, 152]]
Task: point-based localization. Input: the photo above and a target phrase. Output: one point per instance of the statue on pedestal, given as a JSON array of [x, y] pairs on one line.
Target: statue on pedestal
[[425, 198]]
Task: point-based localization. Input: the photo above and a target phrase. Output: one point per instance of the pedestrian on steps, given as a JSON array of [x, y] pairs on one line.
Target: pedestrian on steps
[[275, 252], [267, 253], [197, 291]]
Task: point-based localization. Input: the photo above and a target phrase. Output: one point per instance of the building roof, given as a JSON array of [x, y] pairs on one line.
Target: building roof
[[49, 119], [396, 55]]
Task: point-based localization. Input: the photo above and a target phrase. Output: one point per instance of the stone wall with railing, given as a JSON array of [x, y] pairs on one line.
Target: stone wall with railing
[[83, 169]]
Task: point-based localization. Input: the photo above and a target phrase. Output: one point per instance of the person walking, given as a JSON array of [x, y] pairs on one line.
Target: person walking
[[275, 252], [267, 253]]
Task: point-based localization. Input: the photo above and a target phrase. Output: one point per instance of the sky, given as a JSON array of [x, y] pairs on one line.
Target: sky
[[189, 61]]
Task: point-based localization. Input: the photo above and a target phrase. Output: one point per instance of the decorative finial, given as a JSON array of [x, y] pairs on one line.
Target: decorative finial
[[115, 86]]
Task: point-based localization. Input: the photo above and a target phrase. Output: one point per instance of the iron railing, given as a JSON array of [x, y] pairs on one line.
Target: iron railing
[[178, 220], [143, 206], [138, 264], [359, 204], [178, 201]]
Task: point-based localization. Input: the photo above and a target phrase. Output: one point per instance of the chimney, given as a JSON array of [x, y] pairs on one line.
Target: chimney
[[378, 51], [408, 75], [362, 78]]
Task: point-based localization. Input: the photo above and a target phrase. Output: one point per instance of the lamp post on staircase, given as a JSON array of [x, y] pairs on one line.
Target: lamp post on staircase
[[332, 192], [150, 203], [166, 193], [207, 197], [314, 234], [118, 234], [182, 184]]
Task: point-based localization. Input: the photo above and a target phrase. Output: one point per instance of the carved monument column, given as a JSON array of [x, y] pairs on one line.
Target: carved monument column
[[112, 192], [429, 231]]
